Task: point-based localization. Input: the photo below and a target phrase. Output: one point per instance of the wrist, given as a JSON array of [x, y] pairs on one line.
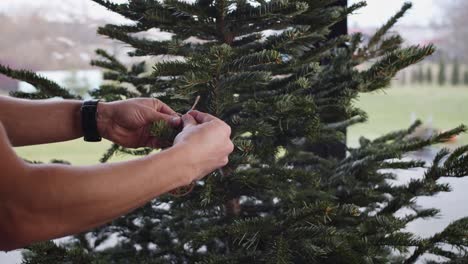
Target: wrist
[[103, 118], [188, 162]]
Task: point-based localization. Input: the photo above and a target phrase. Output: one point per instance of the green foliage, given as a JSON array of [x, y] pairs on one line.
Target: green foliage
[[280, 199], [376, 38], [164, 132], [48, 252]]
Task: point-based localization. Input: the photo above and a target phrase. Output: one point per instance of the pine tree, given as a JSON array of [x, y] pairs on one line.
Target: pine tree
[[456, 73], [277, 201], [442, 76]]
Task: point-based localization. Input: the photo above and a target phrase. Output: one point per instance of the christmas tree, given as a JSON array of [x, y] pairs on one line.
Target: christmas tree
[[272, 71]]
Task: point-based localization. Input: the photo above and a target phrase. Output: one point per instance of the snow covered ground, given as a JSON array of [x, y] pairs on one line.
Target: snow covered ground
[[62, 10]]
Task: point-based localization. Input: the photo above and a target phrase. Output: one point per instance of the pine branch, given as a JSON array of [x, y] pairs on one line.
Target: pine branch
[[197, 9], [146, 47], [109, 153], [398, 135], [173, 68], [246, 40], [326, 17], [239, 82], [347, 123], [254, 59], [276, 8], [375, 39], [133, 152], [455, 234], [46, 88], [48, 252], [110, 62], [381, 73], [112, 93]]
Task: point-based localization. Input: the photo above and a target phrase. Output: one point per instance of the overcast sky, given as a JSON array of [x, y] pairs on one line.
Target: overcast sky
[[378, 11], [375, 14]]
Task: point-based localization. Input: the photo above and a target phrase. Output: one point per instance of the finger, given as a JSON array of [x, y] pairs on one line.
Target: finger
[[188, 120], [201, 117], [153, 142], [165, 109], [156, 116], [161, 108], [175, 121], [156, 143], [158, 106], [150, 115]]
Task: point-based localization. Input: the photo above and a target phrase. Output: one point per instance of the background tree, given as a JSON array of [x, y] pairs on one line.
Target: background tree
[[403, 78], [465, 78], [77, 84], [415, 76], [420, 74], [279, 200], [455, 22], [429, 77], [442, 76], [456, 73]]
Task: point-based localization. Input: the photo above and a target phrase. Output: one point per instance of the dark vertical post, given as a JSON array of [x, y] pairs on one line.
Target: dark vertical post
[[340, 28], [334, 150]]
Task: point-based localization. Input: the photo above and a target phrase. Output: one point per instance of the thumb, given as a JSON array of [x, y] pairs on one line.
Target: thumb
[[188, 120], [153, 116]]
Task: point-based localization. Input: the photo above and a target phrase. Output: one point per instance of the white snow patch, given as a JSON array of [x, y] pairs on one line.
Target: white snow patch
[[57, 56], [152, 246], [195, 40], [85, 56], [154, 34], [66, 41]]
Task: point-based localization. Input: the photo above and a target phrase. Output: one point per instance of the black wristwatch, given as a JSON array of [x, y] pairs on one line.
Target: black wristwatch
[[89, 121]]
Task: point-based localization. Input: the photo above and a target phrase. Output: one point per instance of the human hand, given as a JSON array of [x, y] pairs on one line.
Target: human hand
[[206, 139], [128, 122]]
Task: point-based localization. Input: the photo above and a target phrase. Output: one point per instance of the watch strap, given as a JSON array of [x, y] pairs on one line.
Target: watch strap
[[89, 121]]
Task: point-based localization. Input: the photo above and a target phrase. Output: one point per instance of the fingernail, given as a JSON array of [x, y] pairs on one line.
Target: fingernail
[[175, 120]]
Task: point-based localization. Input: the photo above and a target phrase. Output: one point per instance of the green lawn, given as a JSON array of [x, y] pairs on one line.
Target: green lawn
[[77, 152], [394, 109], [388, 111]]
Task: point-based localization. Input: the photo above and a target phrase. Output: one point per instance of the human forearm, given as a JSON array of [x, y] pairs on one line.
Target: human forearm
[[41, 121], [54, 201]]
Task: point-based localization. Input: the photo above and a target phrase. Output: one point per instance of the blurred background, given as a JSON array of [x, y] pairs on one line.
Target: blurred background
[[58, 38]]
